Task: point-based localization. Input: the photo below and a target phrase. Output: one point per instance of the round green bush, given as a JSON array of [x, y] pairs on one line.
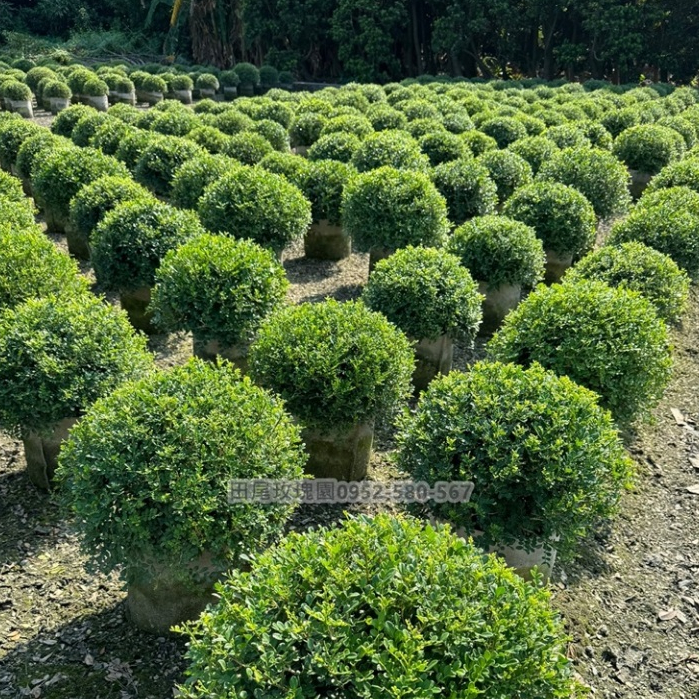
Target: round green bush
[[545, 458], [161, 159], [248, 73], [94, 87], [670, 200], [87, 126], [217, 288], [607, 339], [467, 187], [619, 120], [96, 199], [637, 267], [65, 121], [563, 218], [595, 173], [207, 81], [684, 173], [415, 109], [108, 136], [32, 267], [323, 184], [336, 146], [422, 127], [508, 170], [133, 146], [173, 122], [248, 147], [396, 149], [536, 150], [130, 242], [648, 147], [150, 83], [683, 127], [478, 142], [232, 122], [359, 126], [10, 188], [504, 130], [269, 76], [334, 364], [210, 107], [253, 203], [229, 78], [394, 578], [305, 129], [167, 446], [498, 251], [426, 293], [16, 91], [209, 138], [383, 117], [36, 75], [294, 168], [13, 133], [58, 355], [392, 208], [63, 172], [443, 147], [567, 136], [57, 89], [670, 230], [192, 178], [274, 132], [124, 112], [182, 83]]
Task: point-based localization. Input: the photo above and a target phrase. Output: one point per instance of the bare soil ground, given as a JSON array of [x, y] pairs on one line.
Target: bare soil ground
[[631, 601]]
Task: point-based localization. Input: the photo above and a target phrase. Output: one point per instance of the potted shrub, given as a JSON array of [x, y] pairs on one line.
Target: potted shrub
[[594, 172], [433, 299], [192, 178], [149, 88], [58, 95], [133, 146], [295, 169], [546, 461], [443, 147], [249, 78], [684, 173], [503, 255], [467, 188], [247, 147], [338, 367], [96, 94], [505, 130], [637, 267], [607, 339], [19, 98], [415, 573], [229, 80], [160, 160], [269, 77], [65, 122], [286, 80], [129, 244], [536, 150], [125, 90], [387, 209], [646, 149], [62, 173], [173, 122], [90, 205], [225, 207], [13, 133], [305, 130], [508, 170], [57, 356], [208, 137], [396, 149], [275, 133], [87, 126], [220, 290], [166, 447], [207, 84], [563, 219], [323, 185], [335, 146], [109, 135], [182, 86], [232, 122], [36, 75]]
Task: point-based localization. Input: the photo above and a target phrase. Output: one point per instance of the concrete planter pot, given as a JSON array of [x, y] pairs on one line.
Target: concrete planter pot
[[246, 90], [556, 266], [99, 102], [433, 357], [184, 96], [149, 97], [326, 241], [56, 222], [639, 182], [126, 98], [497, 304], [340, 453], [78, 244], [41, 452], [210, 350], [58, 104], [301, 150], [136, 303], [207, 94], [22, 107], [230, 93], [378, 253]]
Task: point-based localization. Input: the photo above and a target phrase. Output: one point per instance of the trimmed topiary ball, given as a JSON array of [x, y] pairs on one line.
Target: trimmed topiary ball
[[520, 653], [248, 73], [274, 132], [323, 184], [192, 178], [87, 126], [504, 130], [336, 146], [648, 147], [65, 121], [608, 340], [33, 149], [499, 251], [443, 147], [546, 460], [536, 150], [248, 148], [305, 129], [161, 159], [637, 267], [133, 146], [563, 218], [295, 169], [391, 208], [426, 293], [684, 173], [207, 81], [232, 122], [109, 135], [383, 117], [209, 137], [508, 170], [256, 204], [595, 173], [168, 445], [13, 133], [58, 355], [173, 122], [467, 188], [396, 149], [130, 242], [478, 142], [218, 288]]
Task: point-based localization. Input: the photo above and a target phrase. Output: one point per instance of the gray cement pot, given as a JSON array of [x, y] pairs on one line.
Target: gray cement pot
[[497, 304], [326, 241], [99, 102], [41, 452], [149, 97], [58, 104], [236, 354], [126, 98], [639, 182], [230, 93], [341, 453], [184, 96], [136, 303], [433, 357], [378, 253], [78, 245], [556, 266], [22, 107]]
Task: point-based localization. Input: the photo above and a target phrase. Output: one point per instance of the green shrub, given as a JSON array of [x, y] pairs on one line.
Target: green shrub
[[619, 120], [10, 188], [218, 289], [94, 87], [422, 127], [360, 126], [670, 200], [96, 199], [248, 73], [192, 178], [57, 89], [13, 133], [508, 170], [426, 293], [63, 172], [305, 129], [563, 218], [478, 142], [133, 146], [209, 138], [595, 173], [150, 83], [17, 91], [210, 107], [684, 173], [174, 122], [253, 203], [161, 159], [109, 136], [383, 117], [323, 184], [467, 188], [207, 81], [65, 121], [608, 340], [536, 150], [443, 147], [504, 130], [648, 147], [87, 126], [396, 149], [36, 75], [393, 208], [415, 109], [498, 251], [124, 112], [274, 132], [167, 445], [286, 77], [32, 267], [58, 355], [546, 460], [336, 146], [130, 242], [598, 135], [500, 634], [683, 127], [639, 268], [181, 83], [232, 122], [294, 168], [334, 364], [269, 76], [229, 78], [248, 148]]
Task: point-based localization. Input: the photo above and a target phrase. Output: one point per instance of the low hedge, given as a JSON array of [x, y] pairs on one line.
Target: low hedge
[[217, 288], [607, 339], [160, 160]]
